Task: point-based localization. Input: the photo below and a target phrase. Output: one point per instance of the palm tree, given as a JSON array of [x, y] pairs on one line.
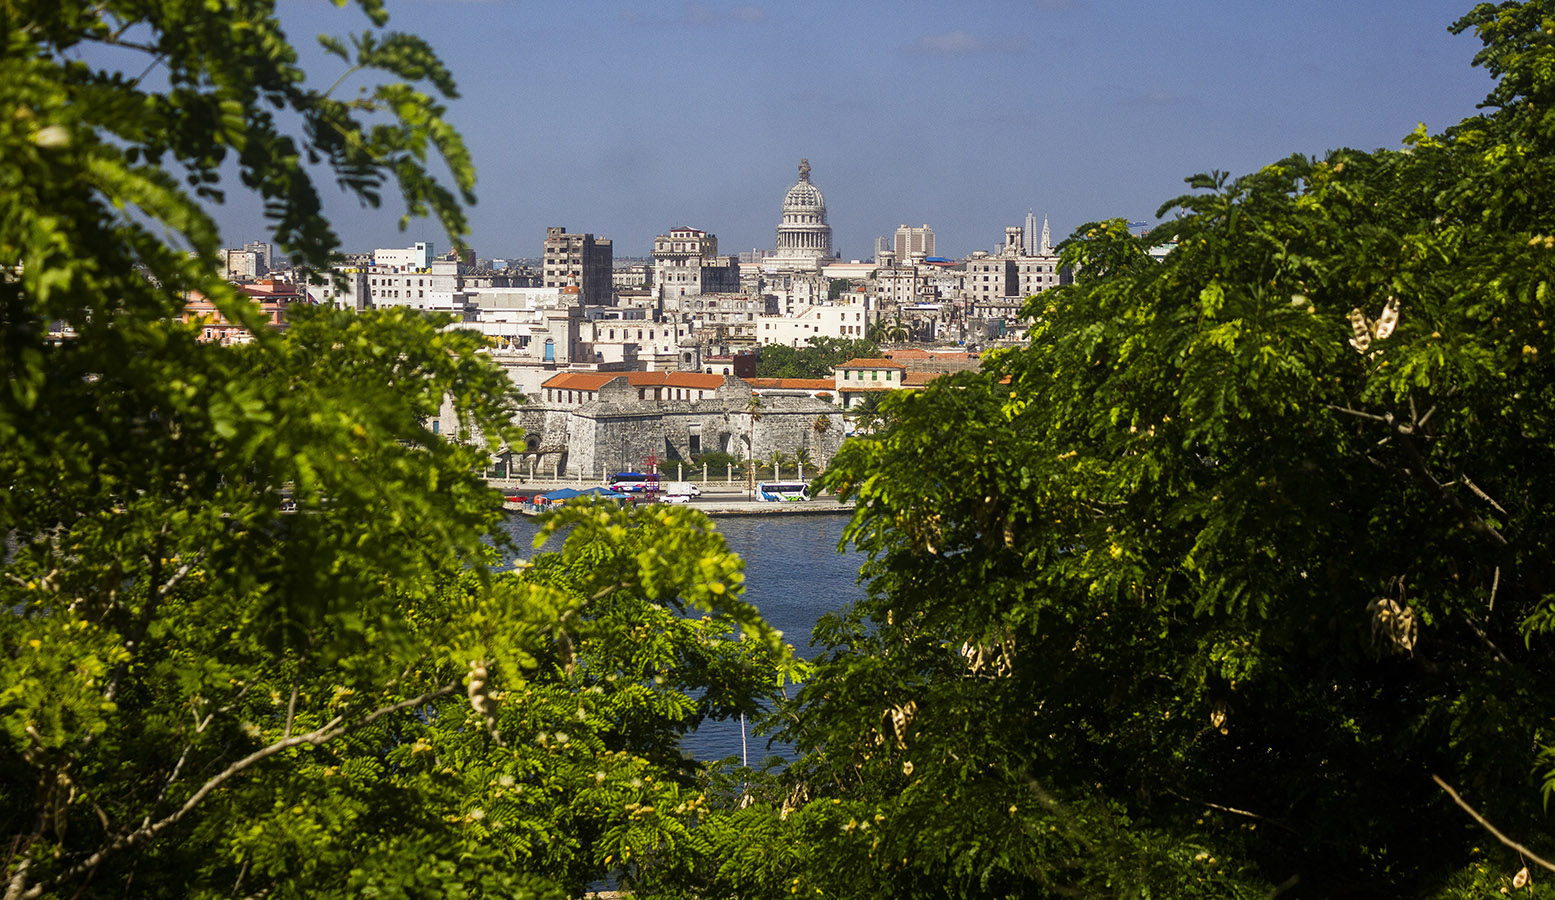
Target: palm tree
[[753, 409], [866, 413], [820, 426], [777, 461]]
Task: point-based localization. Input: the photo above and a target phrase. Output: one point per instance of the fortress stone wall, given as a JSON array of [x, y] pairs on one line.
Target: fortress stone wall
[[619, 431]]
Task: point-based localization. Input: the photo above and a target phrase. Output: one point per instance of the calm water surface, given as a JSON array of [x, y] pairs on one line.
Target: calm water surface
[[793, 575]]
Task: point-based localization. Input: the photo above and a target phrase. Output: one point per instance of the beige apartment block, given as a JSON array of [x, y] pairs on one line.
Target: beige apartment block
[[581, 261]]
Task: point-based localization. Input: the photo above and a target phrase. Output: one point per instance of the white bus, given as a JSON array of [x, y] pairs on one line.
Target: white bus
[[782, 491], [634, 483]]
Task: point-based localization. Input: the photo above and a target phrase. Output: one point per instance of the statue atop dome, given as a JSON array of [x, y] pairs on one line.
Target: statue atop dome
[[804, 170]]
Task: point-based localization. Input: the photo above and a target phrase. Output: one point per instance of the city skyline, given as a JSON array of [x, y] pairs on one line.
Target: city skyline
[[627, 121]]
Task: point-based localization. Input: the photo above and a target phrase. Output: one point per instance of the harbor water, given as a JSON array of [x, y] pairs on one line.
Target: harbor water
[[793, 575]]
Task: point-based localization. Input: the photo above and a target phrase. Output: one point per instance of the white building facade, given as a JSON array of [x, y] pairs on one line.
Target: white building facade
[[842, 321]]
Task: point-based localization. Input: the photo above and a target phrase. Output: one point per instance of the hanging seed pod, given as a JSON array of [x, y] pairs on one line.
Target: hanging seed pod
[[1388, 320], [481, 700], [1393, 624], [1362, 338], [901, 717], [564, 653]]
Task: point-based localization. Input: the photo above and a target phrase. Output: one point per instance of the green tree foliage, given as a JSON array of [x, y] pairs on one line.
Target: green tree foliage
[[204, 692], [818, 359], [1193, 596]]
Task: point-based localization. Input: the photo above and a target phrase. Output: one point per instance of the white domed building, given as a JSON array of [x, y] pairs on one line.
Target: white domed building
[[803, 237]]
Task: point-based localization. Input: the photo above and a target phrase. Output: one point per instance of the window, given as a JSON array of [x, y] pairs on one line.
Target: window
[[874, 376]]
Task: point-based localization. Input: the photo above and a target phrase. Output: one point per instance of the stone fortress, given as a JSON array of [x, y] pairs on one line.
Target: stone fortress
[[589, 425]]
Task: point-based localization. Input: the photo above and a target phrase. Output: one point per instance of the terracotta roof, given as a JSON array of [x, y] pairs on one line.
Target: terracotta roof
[[803, 384], [862, 363], [580, 381], [917, 379], [701, 380], [593, 381], [269, 290]]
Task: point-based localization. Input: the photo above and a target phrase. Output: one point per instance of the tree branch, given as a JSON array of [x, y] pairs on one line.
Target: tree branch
[[1524, 851], [153, 599], [1234, 811], [1482, 495], [1475, 522], [1497, 655], [1387, 420], [1406, 432], [291, 710], [332, 729]]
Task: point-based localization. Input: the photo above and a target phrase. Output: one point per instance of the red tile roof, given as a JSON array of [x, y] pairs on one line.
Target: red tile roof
[[269, 288], [580, 381], [701, 380], [803, 384], [593, 381]]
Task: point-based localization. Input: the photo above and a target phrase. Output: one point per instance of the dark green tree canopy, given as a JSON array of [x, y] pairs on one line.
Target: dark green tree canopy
[[1194, 595], [255, 639], [817, 359]]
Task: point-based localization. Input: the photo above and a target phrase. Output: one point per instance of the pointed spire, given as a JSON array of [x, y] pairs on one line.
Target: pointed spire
[[1047, 237]]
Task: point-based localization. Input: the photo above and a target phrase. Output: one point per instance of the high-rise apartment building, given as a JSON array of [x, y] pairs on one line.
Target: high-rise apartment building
[[913, 241], [242, 265], [581, 261]]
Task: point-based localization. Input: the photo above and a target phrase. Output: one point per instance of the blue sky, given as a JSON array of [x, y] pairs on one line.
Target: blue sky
[[626, 119]]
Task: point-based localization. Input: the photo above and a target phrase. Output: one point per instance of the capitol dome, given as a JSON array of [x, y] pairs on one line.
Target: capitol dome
[[805, 197], [803, 237]]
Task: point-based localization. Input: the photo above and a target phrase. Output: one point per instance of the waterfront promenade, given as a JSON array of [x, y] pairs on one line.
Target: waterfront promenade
[[718, 498]]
